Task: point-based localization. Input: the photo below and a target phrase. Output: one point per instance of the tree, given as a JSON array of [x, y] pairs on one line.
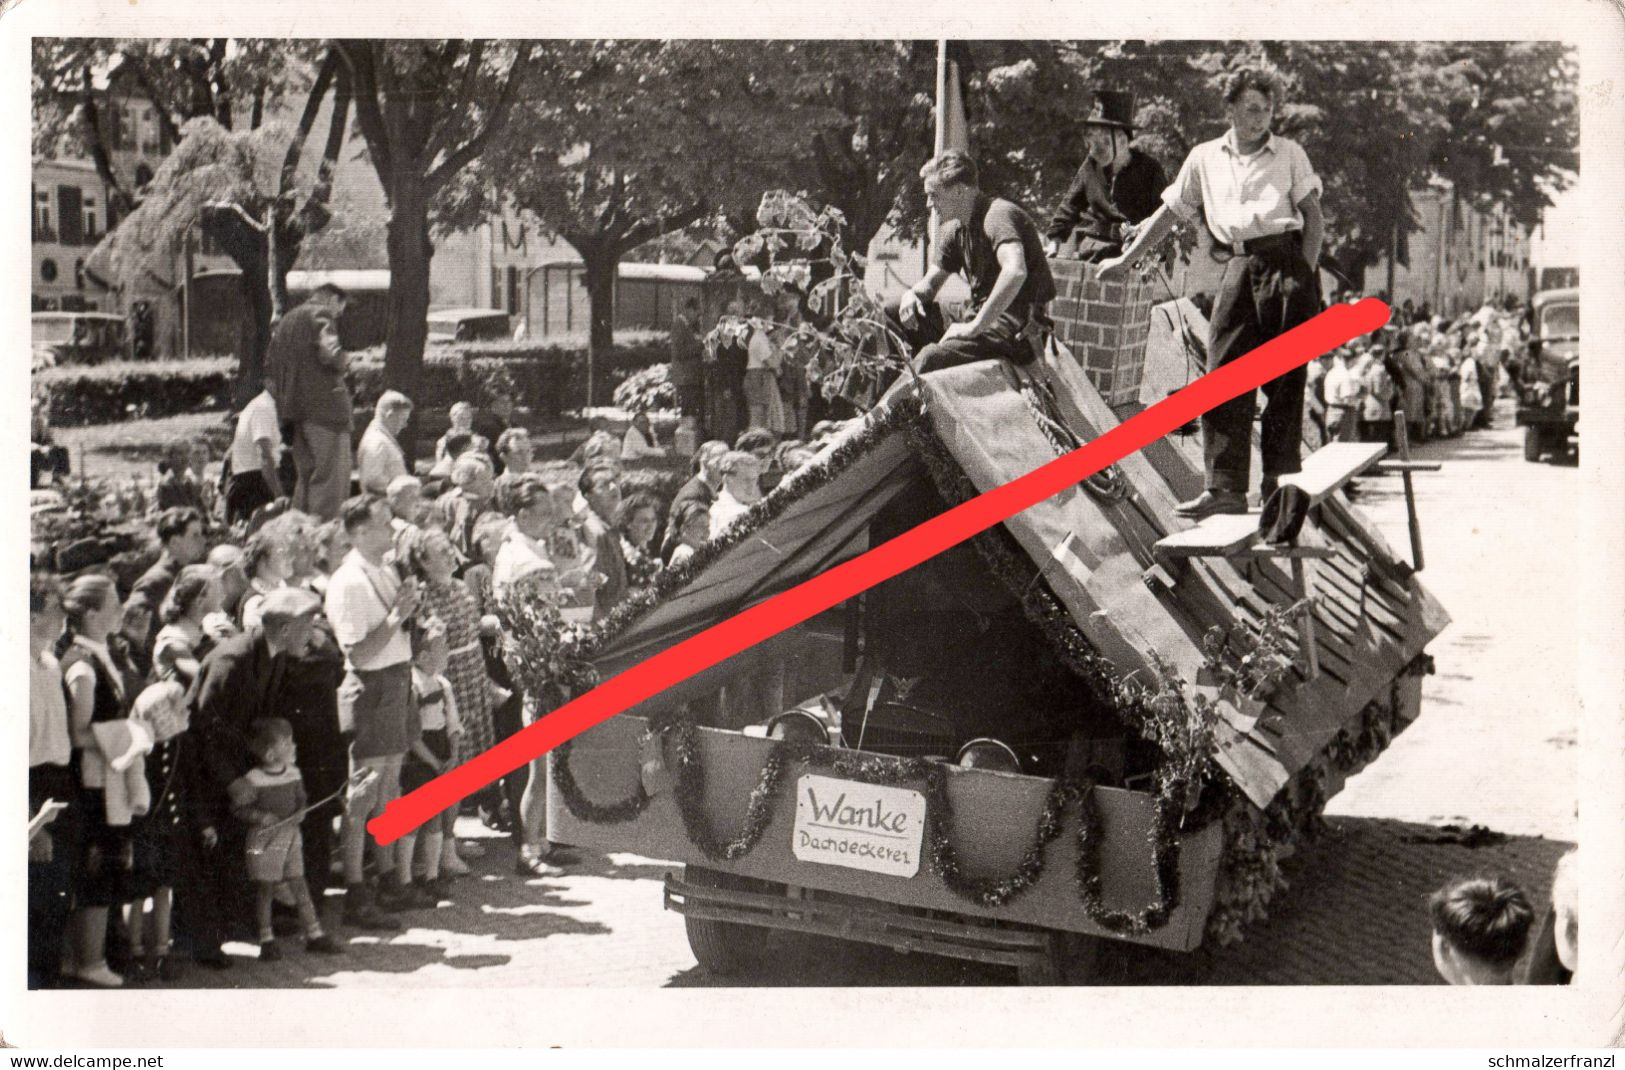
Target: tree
[[427, 109], [235, 171], [640, 140], [1379, 120]]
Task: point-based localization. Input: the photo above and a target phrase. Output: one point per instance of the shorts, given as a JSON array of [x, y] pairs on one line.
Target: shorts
[[369, 801], [375, 704], [276, 854], [414, 771]]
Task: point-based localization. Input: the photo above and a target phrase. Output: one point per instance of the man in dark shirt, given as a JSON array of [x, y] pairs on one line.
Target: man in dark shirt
[[1117, 186], [304, 372], [687, 372], [997, 247]]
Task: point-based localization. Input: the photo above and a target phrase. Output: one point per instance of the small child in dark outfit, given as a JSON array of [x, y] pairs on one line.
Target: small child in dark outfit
[[1480, 929], [270, 799]]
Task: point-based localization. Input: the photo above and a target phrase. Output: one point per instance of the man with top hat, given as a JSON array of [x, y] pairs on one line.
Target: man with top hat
[[1117, 187], [1258, 195]]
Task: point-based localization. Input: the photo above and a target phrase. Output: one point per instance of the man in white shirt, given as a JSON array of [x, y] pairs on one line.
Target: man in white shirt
[[255, 448], [368, 605], [379, 457], [1259, 197]]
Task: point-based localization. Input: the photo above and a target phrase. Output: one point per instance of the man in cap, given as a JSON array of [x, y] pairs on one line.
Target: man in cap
[[1260, 198], [240, 681], [1117, 187]]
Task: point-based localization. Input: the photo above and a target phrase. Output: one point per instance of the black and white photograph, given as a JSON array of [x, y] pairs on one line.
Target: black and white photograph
[[577, 509]]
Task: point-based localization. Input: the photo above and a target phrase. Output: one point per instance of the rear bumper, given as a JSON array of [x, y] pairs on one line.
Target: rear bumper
[[891, 927]]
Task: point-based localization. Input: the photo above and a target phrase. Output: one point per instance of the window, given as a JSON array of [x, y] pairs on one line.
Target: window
[[513, 289], [47, 270], [90, 228], [70, 214]]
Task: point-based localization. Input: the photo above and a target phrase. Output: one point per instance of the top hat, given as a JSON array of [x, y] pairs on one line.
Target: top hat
[[1112, 108]]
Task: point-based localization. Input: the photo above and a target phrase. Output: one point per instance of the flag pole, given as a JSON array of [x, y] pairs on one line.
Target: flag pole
[[939, 144]]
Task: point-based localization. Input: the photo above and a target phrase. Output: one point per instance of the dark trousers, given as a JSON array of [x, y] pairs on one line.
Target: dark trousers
[[316, 830], [1261, 296], [1002, 341], [51, 884], [246, 492]]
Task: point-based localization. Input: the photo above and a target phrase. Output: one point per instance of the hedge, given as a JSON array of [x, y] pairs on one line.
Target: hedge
[[137, 390], [547, 378]]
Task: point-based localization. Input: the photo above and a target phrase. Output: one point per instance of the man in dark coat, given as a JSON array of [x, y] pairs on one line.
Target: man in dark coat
[[304, 372], [240, 681], [1117, 186]]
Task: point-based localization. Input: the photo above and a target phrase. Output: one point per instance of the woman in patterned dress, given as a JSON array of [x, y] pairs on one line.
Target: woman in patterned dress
[[430, 556]]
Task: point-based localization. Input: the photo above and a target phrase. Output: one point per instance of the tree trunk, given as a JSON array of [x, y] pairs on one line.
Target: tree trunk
[[410, 249], [601, 261]]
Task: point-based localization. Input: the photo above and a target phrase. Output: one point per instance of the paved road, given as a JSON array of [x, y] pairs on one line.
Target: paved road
[[1494, 747]]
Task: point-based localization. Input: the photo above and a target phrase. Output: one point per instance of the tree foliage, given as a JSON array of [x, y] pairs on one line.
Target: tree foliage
[[635, 140], [1379, 120], [427, 109]]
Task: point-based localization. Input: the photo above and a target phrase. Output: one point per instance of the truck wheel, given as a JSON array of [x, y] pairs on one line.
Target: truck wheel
[[1533, 443], [723, 948], [1072, 959]]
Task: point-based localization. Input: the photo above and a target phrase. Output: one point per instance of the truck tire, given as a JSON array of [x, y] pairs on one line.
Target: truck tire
[[1073, 959], [1533, 443], [723, 948]]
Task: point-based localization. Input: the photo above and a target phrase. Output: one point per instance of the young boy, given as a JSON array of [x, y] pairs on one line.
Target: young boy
[[270, 799], [1480, 929]]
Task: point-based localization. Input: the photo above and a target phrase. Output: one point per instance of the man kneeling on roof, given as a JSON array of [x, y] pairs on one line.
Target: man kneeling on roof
[[998, 248]]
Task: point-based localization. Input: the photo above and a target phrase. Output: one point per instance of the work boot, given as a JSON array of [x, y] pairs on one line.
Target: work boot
[[360, 912], [1212, 503]]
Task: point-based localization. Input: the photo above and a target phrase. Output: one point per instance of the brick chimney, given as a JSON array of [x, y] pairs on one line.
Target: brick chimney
[[1104, 325]]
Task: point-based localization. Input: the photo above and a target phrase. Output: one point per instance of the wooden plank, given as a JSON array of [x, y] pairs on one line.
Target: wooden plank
[[1329, 467], [1214, 536], [1404, 442], [1264, 551]]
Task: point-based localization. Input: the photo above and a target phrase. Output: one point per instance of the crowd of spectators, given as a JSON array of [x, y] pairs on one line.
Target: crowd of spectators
[[221, 732]]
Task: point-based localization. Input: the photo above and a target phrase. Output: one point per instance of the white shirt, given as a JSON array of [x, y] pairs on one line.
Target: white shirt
[[761, 353], [1342, 385], [725, 510], [1243, 197], [378, 458], [255, 424], [521, 557], [634, 445], [48, 739], [359, 595]]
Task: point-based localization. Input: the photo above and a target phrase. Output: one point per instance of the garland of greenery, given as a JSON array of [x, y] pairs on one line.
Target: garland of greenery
[[888, 770], [1249, 875]]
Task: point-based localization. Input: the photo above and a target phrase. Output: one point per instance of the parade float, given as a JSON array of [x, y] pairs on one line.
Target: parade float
[[1094, 723]]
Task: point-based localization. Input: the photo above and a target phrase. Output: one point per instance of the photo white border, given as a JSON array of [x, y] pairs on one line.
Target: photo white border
[[1586, 1014]]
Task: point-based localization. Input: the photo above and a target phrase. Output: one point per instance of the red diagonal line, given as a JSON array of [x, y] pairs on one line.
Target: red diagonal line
[[1332, 328]]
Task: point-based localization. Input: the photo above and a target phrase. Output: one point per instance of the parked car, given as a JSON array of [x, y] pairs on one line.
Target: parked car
[[1549, 399], [468, 325], [79, 338]]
